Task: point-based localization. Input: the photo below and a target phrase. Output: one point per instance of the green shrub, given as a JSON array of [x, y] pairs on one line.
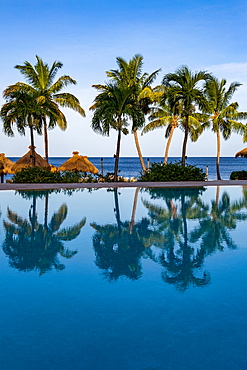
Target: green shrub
[[44, 176], [173, 172], [36, 175], [238, 175], [70, 176]]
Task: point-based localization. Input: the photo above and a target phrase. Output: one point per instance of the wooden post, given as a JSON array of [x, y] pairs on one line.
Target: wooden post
[[102, 166], [2, 172], [148, 164]]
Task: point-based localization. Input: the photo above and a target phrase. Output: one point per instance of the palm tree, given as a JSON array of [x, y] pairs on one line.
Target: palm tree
[[130, 75], [224, 115], [113, 107], [163, 114], [23, 110], [182, 87], [41, 84]]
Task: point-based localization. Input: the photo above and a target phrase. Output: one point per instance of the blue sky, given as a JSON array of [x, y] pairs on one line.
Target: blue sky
[[87, 36]]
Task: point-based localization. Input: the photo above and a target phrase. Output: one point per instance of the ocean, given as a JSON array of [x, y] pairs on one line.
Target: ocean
[[130, 166]]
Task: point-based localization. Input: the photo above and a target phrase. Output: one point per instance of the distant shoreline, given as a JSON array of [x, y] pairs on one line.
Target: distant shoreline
[[145, 157]]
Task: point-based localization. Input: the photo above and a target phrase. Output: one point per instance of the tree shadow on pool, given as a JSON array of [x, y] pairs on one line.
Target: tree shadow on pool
[[31, 245]]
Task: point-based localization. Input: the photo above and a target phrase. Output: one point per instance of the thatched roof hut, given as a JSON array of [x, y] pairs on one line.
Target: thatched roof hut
[[27, 161], [7, 164], [241, 153], [78, 163]]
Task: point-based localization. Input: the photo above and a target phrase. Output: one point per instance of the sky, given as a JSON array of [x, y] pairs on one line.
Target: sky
[[88, 35]]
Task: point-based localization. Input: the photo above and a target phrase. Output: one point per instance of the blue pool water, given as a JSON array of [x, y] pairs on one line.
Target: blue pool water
[[126, 279]]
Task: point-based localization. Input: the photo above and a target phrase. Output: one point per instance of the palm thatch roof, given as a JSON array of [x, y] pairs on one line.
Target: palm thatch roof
[[78, 163], [27, 161], [7, 164], [53, 168], [241, 153]]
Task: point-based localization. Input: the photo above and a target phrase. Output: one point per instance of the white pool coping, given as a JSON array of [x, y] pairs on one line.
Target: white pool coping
[[177, 184]]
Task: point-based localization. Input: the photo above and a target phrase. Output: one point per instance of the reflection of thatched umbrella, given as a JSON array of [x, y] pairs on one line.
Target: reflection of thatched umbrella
[[28, 159], [7, 164], [241, 153], [78, 163]]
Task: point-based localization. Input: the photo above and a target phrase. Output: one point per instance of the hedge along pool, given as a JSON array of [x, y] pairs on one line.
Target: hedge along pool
[[124, 279]]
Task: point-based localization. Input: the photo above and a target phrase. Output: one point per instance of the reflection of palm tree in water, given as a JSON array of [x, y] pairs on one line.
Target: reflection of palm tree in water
[[180, 260], [213, 231], [223, 216], [33, 246], [181, 266], [119, 247]]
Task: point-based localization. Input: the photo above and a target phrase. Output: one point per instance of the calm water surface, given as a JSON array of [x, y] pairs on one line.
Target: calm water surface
[[126, 279]]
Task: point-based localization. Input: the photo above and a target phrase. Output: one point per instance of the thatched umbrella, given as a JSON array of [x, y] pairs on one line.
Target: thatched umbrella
[[53, 168], [7, 164], [78, 163], [29, 159], [241, 153]]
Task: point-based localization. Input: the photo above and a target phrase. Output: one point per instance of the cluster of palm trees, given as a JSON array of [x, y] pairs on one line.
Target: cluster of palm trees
[[188, 100], [192, 101]]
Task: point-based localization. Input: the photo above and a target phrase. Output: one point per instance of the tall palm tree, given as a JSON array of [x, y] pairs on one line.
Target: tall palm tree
[[130, 74], [224, 115], [41, 84], [23, 110], [113, 107], [163, 114], [182, 86]]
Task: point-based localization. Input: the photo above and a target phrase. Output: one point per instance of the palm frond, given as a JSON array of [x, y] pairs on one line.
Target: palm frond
[[62, 82], [69, 101]]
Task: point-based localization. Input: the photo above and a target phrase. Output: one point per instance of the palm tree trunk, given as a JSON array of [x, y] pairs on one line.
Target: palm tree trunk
[[218, 155], [32, 145], [169, 143], [46, 140], [117, 156], [139, 149], [186, 132]]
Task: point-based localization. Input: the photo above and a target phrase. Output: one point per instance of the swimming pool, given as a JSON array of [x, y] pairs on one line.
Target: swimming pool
[[124, 279]]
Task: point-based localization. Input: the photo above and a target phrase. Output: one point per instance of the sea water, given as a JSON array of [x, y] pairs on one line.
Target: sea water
[[122, 279], [130, 166]]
